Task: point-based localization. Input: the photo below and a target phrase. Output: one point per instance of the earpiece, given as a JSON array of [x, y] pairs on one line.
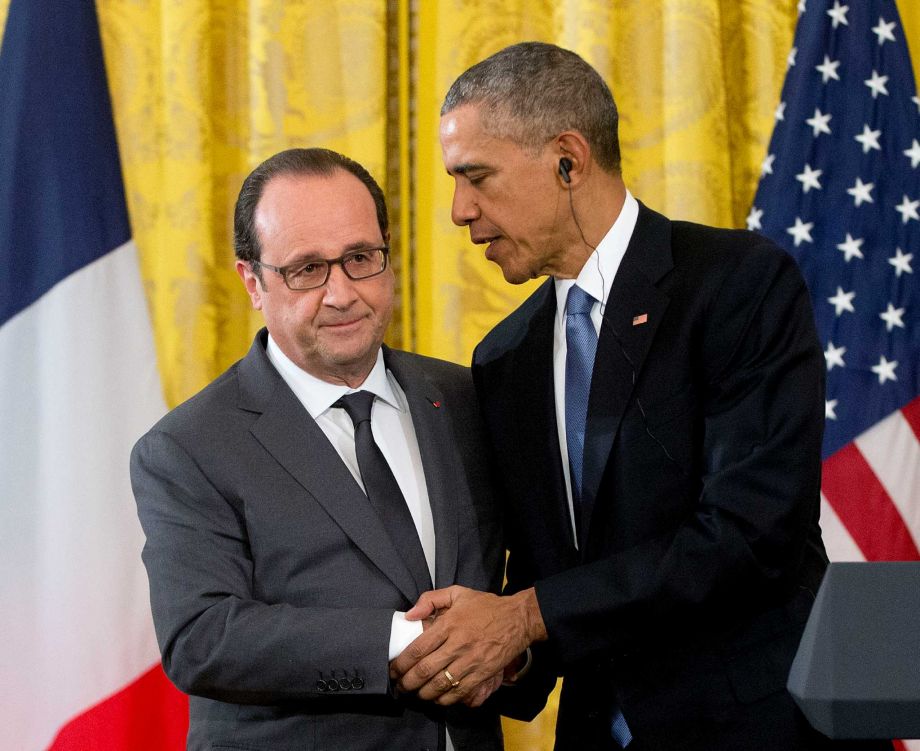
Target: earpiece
[[565, 164]]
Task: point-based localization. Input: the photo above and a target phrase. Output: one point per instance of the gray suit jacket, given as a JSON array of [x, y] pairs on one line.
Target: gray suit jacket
[[273, 583]]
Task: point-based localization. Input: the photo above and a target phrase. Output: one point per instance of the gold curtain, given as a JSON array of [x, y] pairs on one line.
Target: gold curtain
[[203, 90]]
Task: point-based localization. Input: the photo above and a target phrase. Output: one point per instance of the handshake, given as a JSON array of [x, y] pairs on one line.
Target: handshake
[[471, 642]]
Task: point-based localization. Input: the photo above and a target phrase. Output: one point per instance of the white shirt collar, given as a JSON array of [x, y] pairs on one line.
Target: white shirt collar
[[317, 395], [596, 276]]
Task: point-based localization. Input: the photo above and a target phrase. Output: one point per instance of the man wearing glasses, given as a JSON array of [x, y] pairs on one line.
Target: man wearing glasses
[[302, 502]]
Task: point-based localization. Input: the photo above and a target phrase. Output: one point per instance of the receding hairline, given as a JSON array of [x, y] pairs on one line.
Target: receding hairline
[[300, 176]]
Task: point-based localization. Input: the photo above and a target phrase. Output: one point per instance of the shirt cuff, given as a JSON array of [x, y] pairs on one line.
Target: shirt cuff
[[402, 633], [511, 680]]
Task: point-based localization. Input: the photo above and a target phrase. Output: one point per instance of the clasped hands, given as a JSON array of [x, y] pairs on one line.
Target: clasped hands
[[469, 640]]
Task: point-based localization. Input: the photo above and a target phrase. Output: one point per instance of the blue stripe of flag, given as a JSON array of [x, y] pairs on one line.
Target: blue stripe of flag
[[840, 191], [62, 202]]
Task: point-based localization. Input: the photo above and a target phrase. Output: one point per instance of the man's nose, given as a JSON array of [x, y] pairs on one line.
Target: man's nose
[[339, 291], [464, 209]]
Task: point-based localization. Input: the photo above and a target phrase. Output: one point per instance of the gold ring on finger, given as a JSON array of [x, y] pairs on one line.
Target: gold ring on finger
[[454, 683]]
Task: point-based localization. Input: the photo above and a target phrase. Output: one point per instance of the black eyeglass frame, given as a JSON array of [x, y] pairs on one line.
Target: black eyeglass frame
[[284, 271]]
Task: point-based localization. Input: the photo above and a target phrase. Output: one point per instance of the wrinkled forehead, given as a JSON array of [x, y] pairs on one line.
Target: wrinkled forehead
[[466, 145], [326, 211]]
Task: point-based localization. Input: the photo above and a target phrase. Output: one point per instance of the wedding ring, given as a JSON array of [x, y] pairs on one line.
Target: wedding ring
[[450, 679]]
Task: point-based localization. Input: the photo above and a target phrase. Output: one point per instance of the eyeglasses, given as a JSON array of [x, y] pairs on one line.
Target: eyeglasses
[[357, 265]]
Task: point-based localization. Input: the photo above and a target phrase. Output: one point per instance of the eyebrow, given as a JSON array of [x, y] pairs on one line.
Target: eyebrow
[[315, 255], [363, 245], [462, 169]]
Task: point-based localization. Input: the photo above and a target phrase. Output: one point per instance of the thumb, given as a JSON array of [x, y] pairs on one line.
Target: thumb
[[430, 603]]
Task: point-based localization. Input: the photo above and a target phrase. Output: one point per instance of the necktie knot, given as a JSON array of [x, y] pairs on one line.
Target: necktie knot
[[358, 406], [578, 302]]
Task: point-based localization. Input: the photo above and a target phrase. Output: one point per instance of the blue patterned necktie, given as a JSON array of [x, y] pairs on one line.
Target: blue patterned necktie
[[581, 346]]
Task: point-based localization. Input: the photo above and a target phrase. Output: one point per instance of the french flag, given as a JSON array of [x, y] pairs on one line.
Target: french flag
[[78, 384]]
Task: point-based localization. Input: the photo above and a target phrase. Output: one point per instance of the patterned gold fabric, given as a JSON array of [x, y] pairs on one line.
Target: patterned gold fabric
[[203, 90]]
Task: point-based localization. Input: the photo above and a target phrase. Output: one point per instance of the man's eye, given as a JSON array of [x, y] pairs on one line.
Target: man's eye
[[308, 269], [363, 260]]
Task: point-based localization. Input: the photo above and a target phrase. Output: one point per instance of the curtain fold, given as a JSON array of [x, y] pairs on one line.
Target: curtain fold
[[203, 91]]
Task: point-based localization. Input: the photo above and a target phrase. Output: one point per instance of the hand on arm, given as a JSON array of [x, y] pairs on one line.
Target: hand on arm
[[473, 638]]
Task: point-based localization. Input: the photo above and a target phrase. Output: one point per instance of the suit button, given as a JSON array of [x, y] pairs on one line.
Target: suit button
[[322, 687], [357, 684], [344, 684], [332, 685]]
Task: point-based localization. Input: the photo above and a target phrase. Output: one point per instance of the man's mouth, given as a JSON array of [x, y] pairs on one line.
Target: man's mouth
[[483, 239], [489, 242], [342, 325]]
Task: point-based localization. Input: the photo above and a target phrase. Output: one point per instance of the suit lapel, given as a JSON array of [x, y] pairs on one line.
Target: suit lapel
[[534, 412], [297, 443], [633, 312], [437, 447]]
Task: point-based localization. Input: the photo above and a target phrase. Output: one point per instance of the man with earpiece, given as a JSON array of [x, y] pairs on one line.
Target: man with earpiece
[[655, 414]]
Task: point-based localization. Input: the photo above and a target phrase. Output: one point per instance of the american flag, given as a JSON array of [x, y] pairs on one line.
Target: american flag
[[840, 190]]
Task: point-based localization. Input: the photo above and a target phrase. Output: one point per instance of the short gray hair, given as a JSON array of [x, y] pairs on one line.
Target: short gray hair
[[532, 91]]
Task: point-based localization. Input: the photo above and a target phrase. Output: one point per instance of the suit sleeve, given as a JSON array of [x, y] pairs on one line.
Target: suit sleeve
[[755, 446], [217, 638], [482, 549]]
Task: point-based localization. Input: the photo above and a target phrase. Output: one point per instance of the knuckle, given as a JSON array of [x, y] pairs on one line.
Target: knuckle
[[424, 669]]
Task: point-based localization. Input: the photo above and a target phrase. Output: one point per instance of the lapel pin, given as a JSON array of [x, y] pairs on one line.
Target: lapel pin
[[639, 320], [435, 404]]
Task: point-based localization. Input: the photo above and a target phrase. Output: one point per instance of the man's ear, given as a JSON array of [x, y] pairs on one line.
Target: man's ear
[[572, 146], [251, 282]]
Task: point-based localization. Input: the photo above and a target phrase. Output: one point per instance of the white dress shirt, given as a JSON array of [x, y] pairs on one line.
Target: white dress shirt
[[595, 278], [394, 433]]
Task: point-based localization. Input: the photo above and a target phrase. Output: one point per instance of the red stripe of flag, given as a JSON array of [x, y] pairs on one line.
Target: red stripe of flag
[[912, 414], [864, 507], [150, 714]]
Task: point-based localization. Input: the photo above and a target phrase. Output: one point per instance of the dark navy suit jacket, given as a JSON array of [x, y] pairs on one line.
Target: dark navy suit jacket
[[700, 549]]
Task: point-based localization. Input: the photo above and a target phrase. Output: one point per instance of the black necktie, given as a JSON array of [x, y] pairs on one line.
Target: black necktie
[[383, 490]]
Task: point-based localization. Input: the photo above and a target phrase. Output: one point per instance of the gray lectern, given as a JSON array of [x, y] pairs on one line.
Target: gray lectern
[[857, 671]]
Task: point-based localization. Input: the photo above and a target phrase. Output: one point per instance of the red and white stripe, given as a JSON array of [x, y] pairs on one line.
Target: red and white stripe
[[871, 492]]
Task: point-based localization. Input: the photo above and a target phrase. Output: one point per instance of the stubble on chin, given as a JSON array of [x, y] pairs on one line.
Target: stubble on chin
[[354, 356]]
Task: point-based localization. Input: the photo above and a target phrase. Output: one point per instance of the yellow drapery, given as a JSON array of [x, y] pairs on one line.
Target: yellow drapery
[[205, 89]]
